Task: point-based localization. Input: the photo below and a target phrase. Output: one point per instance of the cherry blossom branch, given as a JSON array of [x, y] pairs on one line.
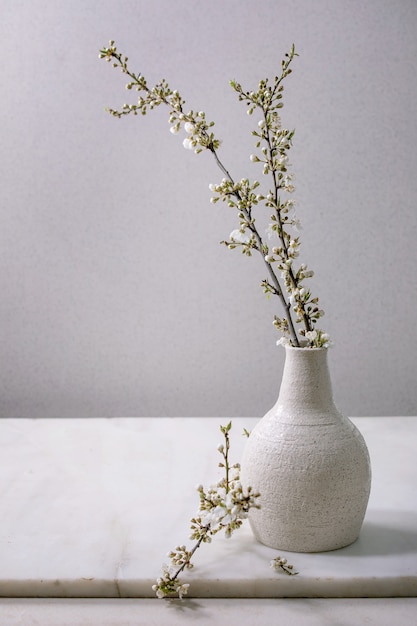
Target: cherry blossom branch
[[223, 506], [273, 143]]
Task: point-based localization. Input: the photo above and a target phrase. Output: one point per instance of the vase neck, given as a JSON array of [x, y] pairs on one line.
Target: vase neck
[[306, 384]]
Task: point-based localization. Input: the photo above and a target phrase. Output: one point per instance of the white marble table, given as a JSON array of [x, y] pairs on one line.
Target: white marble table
[[89, 508]]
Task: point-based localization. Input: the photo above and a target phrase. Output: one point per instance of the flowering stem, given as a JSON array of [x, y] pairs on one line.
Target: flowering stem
[[191, 554], [220, 164], [138, 80], [285, 304], [224, 450], [271, 154], [222, 507], [295, 299], [260, 246]]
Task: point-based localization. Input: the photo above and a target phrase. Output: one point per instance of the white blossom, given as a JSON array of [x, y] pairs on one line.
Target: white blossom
[[293, 297], [325, 341], [182, 590], [283, 341], [239, 237], [188, 144], [270, 231], [296, 223], [158, 591]]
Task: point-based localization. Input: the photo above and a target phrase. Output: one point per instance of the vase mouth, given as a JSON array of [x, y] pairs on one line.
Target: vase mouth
[[305, 347]]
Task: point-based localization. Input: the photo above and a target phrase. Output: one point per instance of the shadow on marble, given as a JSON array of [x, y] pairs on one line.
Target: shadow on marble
[[179, 606], [388, 532]]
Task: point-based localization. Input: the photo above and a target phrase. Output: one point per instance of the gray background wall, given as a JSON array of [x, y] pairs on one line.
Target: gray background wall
[[116, 298]]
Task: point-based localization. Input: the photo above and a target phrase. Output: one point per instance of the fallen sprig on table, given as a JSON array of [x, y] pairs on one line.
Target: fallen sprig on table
[[223, 506]]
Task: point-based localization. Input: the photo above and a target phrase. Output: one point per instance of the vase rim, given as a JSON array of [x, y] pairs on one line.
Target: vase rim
[[306, 348]]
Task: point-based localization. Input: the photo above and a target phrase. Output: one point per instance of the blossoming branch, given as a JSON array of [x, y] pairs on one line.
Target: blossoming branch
[[223, 506], [277, 244]]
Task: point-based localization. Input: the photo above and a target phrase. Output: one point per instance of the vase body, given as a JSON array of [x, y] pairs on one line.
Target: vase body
[[309, 463]]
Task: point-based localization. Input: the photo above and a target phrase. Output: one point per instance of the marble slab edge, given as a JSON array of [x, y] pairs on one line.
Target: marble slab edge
[[374, 587]]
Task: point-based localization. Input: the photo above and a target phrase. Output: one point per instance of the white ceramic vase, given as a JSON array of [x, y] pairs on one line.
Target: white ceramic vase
[[309, 463]]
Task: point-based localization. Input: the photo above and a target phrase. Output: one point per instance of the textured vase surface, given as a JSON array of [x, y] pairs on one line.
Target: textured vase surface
[[309, 463]]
